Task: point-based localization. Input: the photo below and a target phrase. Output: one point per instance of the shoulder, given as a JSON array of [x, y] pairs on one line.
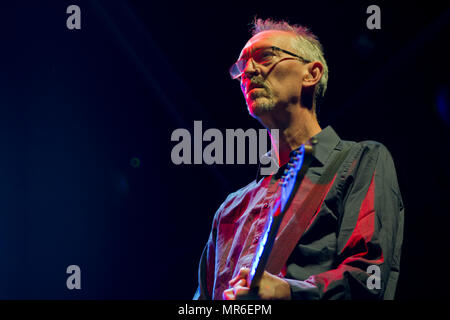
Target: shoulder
[[369, 151], [379, 152], [368, 146], [372, 159], [367, 158], [374, 146]]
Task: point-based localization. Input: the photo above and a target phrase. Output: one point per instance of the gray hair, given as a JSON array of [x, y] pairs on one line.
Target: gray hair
[[306, 43]]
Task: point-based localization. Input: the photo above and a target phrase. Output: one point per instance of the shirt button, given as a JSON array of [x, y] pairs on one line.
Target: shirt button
[[265, 205], [255, 240]]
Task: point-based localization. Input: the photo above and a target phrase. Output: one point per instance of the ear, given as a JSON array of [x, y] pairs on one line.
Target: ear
[[313, 74]]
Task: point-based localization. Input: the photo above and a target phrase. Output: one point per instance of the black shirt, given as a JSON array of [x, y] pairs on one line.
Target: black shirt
[[350, 250]]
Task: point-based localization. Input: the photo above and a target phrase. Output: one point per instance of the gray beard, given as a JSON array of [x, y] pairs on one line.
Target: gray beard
[[260, 107]]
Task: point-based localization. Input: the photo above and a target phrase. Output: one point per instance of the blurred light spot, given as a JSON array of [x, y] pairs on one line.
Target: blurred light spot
[[442, 104], [135, 162], [121, 184], [364, 45]]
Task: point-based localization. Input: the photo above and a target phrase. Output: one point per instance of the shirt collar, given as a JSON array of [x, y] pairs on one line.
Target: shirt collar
[[327, 141]]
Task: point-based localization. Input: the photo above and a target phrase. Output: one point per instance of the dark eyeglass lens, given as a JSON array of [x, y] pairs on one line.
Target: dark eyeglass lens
[[262, 56]]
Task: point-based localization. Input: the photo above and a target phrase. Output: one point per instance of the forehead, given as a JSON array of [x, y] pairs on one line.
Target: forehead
[[276, 38]]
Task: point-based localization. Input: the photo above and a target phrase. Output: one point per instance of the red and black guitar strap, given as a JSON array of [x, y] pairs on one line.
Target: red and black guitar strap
[[287, 241]]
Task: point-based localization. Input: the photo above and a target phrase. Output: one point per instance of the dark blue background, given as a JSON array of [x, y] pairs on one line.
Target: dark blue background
[[78, 107]]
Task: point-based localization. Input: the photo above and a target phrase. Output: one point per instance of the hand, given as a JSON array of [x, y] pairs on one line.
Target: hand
[[271, 287]]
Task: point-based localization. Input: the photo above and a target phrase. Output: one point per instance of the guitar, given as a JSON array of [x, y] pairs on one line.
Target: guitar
[[290, 182]]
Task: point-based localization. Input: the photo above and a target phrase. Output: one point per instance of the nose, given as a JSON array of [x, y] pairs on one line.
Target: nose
[[250, 69]]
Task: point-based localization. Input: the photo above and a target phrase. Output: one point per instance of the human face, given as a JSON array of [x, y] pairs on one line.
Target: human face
[[269, 87]]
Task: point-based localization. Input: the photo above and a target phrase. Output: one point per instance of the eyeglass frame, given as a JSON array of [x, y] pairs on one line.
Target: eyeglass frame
[[273, 48]]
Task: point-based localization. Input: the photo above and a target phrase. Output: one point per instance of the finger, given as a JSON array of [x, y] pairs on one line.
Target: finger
[[241, 283], [243, 274], [240, 292], [235, 280], [229, 294]]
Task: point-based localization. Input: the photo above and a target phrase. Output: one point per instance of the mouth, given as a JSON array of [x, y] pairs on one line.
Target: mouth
[[253, 89], [255, 94], [253, 86]]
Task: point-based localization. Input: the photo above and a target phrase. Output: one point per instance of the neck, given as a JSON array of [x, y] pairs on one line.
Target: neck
[[295, 130]]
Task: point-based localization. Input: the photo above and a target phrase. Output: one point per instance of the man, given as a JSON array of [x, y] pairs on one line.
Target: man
[[351, 248]]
